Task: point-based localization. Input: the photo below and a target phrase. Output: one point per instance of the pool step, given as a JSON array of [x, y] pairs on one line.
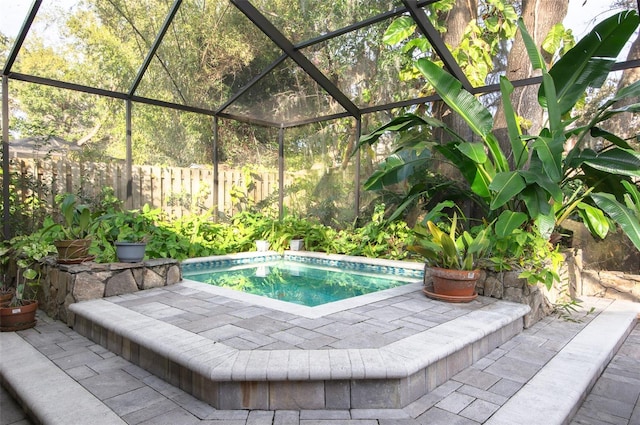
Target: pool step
[[556, 392], [392, 376], [46, 393]]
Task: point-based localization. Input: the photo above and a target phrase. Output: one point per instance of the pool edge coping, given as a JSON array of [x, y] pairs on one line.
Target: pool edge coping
[[219, 362]]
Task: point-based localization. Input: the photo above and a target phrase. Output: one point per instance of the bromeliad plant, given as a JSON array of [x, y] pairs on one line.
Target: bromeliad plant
[[537, 177], [501, 245], [456, 250]]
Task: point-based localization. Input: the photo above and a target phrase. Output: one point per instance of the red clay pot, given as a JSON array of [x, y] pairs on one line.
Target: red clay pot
[[73, 251], [19, 317], [454, 283], [5, 298]]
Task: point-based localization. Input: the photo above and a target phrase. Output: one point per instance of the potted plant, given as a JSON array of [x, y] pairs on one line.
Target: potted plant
[[292, 231], [72, 235], [262, 245], [265, 231], [129, 232], [296, 243], [7, 292], [22, 254], [453, 258]]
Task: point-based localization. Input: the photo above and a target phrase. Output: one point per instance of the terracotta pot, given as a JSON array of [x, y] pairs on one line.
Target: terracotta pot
[[455, 283], [19, 317], [73, 251], [5, 298]]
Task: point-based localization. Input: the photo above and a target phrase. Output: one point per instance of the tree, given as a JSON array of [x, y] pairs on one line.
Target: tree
[[628, 128], [475, 32], [543, 185], [540, 16]]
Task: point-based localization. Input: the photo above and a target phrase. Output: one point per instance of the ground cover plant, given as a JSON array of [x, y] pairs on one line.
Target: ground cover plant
[[201, 235]]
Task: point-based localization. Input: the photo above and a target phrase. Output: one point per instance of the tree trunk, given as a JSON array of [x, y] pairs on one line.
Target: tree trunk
[[457, 20], [539, 17]]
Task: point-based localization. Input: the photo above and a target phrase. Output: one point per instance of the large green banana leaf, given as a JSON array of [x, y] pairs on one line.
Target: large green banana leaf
[[633, 108], [506, 185], [588, 63], [401, 124], [624, 162], [467, 106], [596, 132], [549, 144], [518, 146], [594, 219], [622, 215], [461, 101], [630, 91], [397, 168], [536, 59], [602, 181], [468, 168], [532, 176], [549, 151], [509, 221], [632, 197], [537, 201]]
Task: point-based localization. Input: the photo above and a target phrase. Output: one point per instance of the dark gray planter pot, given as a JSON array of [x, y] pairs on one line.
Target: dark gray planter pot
[[130, 252]]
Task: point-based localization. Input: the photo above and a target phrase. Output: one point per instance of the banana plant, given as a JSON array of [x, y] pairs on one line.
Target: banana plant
[[538, 179]]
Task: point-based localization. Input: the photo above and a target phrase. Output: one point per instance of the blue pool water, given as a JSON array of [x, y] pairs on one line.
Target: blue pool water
[[305, 284]]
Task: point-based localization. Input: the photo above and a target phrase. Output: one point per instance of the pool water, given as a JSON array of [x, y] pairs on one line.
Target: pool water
[[305, 284]]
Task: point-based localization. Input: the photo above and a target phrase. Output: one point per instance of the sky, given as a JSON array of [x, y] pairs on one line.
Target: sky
[[581, 16], [578, 17]]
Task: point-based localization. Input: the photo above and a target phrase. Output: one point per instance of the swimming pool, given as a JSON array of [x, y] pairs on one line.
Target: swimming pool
[[299, 283], [306, 279]]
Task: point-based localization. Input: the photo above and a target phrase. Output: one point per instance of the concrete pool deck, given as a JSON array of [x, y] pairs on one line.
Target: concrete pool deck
[[520, 375]]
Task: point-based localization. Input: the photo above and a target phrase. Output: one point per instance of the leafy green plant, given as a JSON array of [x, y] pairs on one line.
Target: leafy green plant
[[27, 193], [525, 250], [289, 228], [457, 250], [25, 252], [76, 221], [540, 180], [128, 226], [378, 237], [200, 235]]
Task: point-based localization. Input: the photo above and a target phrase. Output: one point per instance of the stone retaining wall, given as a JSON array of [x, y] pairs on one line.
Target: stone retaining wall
[[509, 287], [575, 281], [606, 283], [65, 284]]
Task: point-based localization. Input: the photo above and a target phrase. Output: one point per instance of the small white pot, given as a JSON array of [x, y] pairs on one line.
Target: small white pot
[[262, 245], [296, 244]]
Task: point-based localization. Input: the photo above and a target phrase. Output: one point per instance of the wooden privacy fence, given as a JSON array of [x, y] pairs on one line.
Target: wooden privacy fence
[[176, 190]]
